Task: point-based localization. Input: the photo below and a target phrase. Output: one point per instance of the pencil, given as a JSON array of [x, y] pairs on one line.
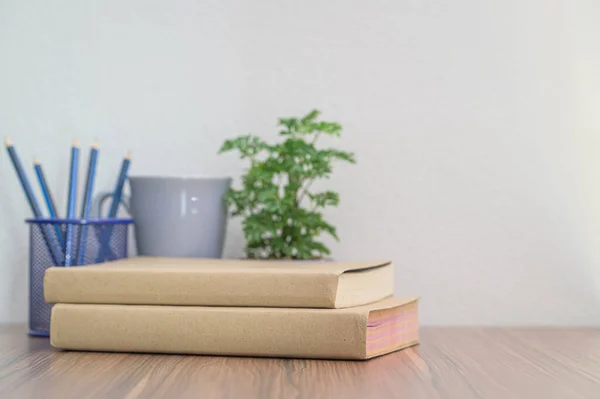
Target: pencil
[[114, 206], [45, 189], [87, 202], [12, 153], [71, 203], [118, 194], [53, 247], [49, 199]]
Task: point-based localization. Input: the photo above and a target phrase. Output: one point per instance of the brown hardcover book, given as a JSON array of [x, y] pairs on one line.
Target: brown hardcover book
[[353, 333], [221, 282]]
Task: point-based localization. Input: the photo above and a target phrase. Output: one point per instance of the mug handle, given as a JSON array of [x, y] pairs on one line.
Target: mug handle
[[101, 197]]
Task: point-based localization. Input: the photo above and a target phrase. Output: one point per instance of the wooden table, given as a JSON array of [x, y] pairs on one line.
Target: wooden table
[[449, 363]]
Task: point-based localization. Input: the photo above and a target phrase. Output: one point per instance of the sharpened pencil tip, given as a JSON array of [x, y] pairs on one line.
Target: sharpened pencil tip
[[128, 155], [36, 161], [7, 142], [75, 143], [95, 144]]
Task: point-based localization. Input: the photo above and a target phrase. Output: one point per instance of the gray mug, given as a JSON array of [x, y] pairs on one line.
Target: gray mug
[[176, 216]]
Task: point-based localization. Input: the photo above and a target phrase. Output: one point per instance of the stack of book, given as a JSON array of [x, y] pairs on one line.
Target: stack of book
[[332, 310]]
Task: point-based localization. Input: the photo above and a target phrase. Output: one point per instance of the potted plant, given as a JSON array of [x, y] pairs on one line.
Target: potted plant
[[282, 216]]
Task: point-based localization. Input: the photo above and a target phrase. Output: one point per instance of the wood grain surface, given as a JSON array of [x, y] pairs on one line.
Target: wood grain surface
[[449, 363]]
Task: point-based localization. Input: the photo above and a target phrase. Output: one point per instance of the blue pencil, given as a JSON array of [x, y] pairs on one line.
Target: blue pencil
[[53, 246], [87, 202], [118, 194], [71, 203], [45, 189], [114, 206], [48, 198]]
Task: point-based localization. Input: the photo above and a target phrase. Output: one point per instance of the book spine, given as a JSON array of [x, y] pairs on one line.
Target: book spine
[[298, 333], [306, 290]]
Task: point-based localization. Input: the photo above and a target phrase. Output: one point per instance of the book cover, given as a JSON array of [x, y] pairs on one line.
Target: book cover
[[221, 282], [352, 333]]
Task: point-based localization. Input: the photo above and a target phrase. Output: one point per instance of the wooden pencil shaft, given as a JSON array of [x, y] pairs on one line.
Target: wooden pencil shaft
[[49, 201], [89, 184], [51, 238], [46, 190], [116, 199], [71, 205], [35, 208], [47, 235], [87, 202], [71, 202]]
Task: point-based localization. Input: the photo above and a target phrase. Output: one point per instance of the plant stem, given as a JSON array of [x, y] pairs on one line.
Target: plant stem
[[314, 140], [304, 191]]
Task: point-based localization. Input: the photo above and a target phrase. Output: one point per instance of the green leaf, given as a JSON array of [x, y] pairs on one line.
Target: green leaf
[[319, 248], [331, 230], [291, 125], [331, 128], [340, 155], [237, 201], [327, 198], [227, 146], [311, 116], [248, 146], [308, 128]]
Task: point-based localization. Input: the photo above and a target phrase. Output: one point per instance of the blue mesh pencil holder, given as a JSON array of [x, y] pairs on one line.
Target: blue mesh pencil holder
[[68, 243]]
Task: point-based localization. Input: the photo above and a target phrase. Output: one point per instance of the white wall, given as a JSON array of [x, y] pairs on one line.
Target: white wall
[[475, 125]]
